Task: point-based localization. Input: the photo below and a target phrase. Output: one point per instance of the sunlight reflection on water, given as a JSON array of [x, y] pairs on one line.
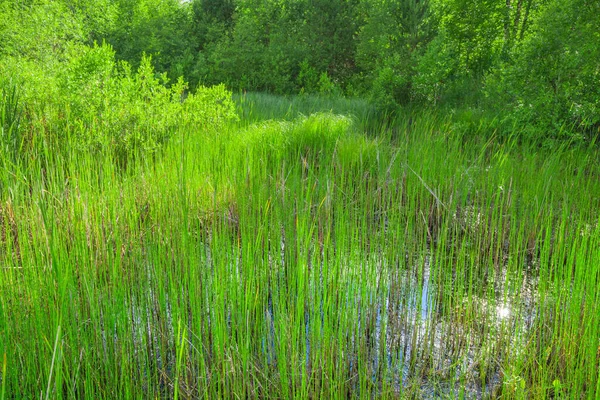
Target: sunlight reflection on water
[[503, 311]]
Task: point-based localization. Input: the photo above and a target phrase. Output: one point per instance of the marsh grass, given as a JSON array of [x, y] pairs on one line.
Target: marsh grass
[[293, 256]]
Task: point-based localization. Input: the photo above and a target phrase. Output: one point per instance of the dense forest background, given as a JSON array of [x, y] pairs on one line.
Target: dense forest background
[[530, 66]]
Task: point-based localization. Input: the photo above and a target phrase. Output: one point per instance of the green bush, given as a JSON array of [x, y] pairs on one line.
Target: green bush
[[92, 102], [128, 111], [391, 89]]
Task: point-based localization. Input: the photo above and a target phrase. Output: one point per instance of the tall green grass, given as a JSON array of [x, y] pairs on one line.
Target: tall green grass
[[254, 107], [297, 257]]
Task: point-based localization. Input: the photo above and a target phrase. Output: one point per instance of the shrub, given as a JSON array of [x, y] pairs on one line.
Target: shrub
[[112, 107]]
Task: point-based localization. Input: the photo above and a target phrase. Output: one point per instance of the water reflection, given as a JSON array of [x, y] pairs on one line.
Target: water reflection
[[503, 311]]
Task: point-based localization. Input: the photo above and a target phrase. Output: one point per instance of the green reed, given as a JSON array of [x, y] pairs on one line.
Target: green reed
[[301, 258]]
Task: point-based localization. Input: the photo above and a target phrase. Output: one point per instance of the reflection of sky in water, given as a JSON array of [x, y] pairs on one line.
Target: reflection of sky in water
[[424, 296], [502, 310]]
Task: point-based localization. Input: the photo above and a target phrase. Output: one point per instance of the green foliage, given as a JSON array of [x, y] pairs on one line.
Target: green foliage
[[214, 11], [210, 108], [99, 18], [256, 107], [389, 46], [159, 28], [553, 85], [306, 135], [390, 89], [40, 30], [284, 49], [261, 53], [532, 61], [327, 32], [123, 111], [327, 87], [308, 78], [322, 247], [92, 102], [435, 69], [473, 38], [115, 108]]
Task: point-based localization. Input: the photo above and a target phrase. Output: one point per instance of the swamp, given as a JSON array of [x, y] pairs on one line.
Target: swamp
[[333, 234]]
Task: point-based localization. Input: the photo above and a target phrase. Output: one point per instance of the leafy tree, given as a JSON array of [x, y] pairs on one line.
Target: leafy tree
[[99, 18], [40, 30], [214, 11], [389, 45], [259, 53], [328, 29], [554, 80], [161, 28], [473, 37]]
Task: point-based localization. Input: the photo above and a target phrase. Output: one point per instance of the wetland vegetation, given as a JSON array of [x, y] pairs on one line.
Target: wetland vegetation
[[344, 236]]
